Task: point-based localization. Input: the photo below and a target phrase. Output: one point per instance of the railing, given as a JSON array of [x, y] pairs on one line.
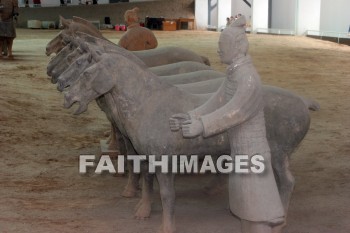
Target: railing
[[275, 31], [322, 34]]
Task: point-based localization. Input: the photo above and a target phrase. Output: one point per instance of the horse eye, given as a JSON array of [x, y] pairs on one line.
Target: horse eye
[[86, 73]]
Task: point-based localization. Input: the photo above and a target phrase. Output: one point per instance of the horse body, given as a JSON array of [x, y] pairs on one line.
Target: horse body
[[179, 68], [169, 54]]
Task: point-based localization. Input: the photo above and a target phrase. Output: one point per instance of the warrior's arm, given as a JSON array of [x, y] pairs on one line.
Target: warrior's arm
[[151, 39], [214, 102], [245, 103]]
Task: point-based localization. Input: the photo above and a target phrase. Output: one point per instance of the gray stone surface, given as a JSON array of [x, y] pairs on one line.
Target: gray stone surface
[[237, 109], [170, 54], [202, 87], [139, 104], [129, 111], [179, 68]]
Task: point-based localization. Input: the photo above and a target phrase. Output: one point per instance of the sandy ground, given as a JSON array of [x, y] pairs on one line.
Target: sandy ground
[[42, 190]]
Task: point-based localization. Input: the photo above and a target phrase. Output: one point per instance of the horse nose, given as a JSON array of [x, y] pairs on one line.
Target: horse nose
[[48, 52], [53, 77]]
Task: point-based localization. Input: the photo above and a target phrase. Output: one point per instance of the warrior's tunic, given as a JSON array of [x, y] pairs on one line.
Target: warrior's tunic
[[237, 107]]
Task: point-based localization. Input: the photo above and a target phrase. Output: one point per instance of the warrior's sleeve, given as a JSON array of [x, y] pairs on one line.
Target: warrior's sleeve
[[151, 40], [214, 102], [123, 42], [244, 104]]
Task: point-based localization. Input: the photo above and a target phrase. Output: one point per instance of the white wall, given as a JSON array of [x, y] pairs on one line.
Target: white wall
[[213, 12], [308, 15], [283, 14], [335, 15], [260, 10], [51, 3], [224, 11], [201, 14], [239, 7]]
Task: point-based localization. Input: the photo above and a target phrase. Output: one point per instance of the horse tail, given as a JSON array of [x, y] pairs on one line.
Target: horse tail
[[311, 104], [206, 60]]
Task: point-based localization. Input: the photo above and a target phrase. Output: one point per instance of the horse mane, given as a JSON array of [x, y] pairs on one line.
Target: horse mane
[[77, 19]]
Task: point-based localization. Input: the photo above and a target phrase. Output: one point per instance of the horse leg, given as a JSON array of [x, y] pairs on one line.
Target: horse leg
[[143, 208], [216, 185], [133, 179], [167, 195], [116, 141], [285, 182]]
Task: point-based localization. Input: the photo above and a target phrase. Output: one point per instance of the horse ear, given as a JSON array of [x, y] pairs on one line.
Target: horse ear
[[86, 37], [96, 55], [66, 38], [64, 22], [84, 47]]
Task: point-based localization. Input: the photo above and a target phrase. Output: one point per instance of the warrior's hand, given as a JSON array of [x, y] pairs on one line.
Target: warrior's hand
[[176, 120], [192, 128]]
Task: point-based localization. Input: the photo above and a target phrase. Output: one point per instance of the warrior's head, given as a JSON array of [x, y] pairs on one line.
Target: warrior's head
[[131, 17], [233, 42]]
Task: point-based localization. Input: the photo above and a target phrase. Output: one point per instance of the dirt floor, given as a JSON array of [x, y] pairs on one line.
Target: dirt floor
[[41, 189]]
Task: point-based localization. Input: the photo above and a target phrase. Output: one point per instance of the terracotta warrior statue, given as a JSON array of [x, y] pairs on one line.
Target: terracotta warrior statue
[[8, 10], [136, 37], [237, 108]]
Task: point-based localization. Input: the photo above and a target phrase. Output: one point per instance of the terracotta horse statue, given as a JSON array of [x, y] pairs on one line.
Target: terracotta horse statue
[[140, 104]]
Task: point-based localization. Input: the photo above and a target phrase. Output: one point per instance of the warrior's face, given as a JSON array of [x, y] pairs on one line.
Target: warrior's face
[[233, 43]]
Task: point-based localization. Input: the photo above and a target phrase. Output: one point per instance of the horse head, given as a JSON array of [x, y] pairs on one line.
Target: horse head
[[70, 28], [56, 64], [92, 83], [72, 73]]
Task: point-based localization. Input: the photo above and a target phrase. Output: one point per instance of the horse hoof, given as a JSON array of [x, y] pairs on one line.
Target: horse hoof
[[129, 193], [166, 230], [143, 210]]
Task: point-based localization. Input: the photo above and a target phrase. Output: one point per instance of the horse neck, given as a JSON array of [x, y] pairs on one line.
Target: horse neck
[[134, 85], [86, 29], [140, 81]]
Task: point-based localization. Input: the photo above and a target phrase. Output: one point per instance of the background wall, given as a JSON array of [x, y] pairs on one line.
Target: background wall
[[260, 14], [239, 7], [308, 15], [50, 3], [224, 9], [335, 15], [302, 15], [201, 14], [165, 8], [213, 12], [283, 14]]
